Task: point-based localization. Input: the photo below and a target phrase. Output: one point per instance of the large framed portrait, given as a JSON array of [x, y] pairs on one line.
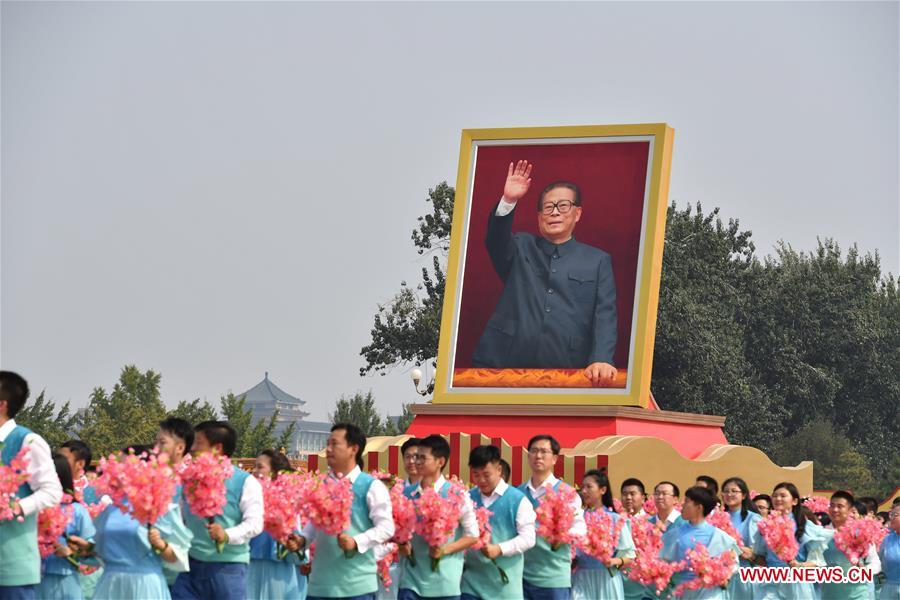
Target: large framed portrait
[[555, 257]]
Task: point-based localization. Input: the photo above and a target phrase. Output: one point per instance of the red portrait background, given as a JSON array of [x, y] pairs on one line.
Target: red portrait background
[[612, 177]]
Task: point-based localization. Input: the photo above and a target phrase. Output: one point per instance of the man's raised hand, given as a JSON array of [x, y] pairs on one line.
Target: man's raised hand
[[518, 180]]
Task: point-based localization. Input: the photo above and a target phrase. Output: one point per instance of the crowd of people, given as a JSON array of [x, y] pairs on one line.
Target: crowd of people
[[105, 553]]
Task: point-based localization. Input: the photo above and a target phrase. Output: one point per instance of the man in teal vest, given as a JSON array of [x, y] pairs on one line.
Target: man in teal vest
[[548, 572], [419, 580], [345, 565], [20, 561], [512, 532], [175, 438], [221, 574]]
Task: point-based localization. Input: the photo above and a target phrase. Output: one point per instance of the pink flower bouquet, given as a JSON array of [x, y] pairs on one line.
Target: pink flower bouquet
[[281, 499], [52, 523], [722, 520], [648, 568], [328, 504], [483, 517], [439, 517], [602, 536], [384, 567], [710, 571], [12, 476], [405, 518], [817, 504], [204, 479], [778, 531], [856, 537], [555, 516]]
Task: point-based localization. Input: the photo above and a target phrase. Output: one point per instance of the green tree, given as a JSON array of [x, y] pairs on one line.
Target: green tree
[[838, 465], [359, 410], [129, 414], [42, 417], [407, 328], [194, 412]]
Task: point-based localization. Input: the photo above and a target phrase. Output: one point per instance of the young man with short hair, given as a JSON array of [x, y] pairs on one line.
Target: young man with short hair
[[408, 452], [632, 494], [548, 571], [839, 510], [698, 503], [418, 580], [78, 455], [213, 574], [345, 565], [20, 561], [512, 531]]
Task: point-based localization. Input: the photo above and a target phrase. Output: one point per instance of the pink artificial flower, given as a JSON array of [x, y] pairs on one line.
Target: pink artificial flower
[[281, 499], [648, 568], [778, 532], [817, 504], [146, 484], [483, 517], [602, 536], [439, 517], [405, 518], [13, 476], [555, 516], [95, 509], [204, 478], [617, 506], [721, 519], [52, 523], [650, 507], [856, 537], [328, 503], [710, 571], [384, 567]]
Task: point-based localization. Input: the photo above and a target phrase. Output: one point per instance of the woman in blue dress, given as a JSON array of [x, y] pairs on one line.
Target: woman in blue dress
[[812, 539], [736, 500], [270, 576], [59, 577], [592, 577], [889, 553], [133, 557]]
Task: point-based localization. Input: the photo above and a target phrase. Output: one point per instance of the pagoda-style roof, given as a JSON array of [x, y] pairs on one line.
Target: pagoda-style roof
[[266, 393]]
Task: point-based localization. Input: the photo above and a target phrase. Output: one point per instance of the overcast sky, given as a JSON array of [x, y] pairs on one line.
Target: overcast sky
[[216, 190]]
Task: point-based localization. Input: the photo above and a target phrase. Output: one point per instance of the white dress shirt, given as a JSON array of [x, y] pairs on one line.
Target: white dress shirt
[[45, 487], [579, 525], [525, 518], [504, 208], [467, 518], [252, 508], [378, 500]]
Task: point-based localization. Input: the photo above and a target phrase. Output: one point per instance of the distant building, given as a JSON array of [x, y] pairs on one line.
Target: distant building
[[313, 437], [265, 398]]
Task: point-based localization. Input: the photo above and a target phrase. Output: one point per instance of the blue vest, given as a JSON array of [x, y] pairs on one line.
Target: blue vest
[[544, 566], [202, 546], [333, 574], [20, 561], [481, 578]]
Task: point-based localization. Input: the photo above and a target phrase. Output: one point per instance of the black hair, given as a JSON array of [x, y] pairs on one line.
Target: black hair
[[180, 429], [554, 445], [746, 505], [602, 480], [64, 473], [13, 389], [885, 517], [711, 483], [560, 184], [79, 450], [505, 470], [861, 507], [438, 446], [218, 432], [809, 514], [702, 496], [799, 517], [278, 462], [411, 442], [675, 489], [480, 456], [633, 481], [896, 501], [355, 437], [871, 502], [765, 497], [90, 469], [846, 496]]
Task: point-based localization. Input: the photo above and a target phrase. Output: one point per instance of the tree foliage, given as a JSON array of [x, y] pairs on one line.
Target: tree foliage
[[253, 437], [194, 412], [360, 410], [55, 426]]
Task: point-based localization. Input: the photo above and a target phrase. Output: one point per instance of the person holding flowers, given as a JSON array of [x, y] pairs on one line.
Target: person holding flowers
[[20, 561], [273, 571], [60, 569], [593, 577], [418, 579], [136, 546], [220, 550], [345, 564], [787, 538], [736, 500], [79, 456], [512, 532], [889, 554], [548, 566], [695, 539], [840, 512]]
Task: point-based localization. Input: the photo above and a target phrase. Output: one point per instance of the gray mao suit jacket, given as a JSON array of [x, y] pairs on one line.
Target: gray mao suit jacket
[[558, 306]]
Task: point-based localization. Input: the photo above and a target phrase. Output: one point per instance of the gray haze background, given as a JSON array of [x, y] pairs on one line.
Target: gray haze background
[[214, 190]]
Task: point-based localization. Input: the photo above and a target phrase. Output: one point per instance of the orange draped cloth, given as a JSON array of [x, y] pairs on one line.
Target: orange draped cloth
[[530, 378]]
